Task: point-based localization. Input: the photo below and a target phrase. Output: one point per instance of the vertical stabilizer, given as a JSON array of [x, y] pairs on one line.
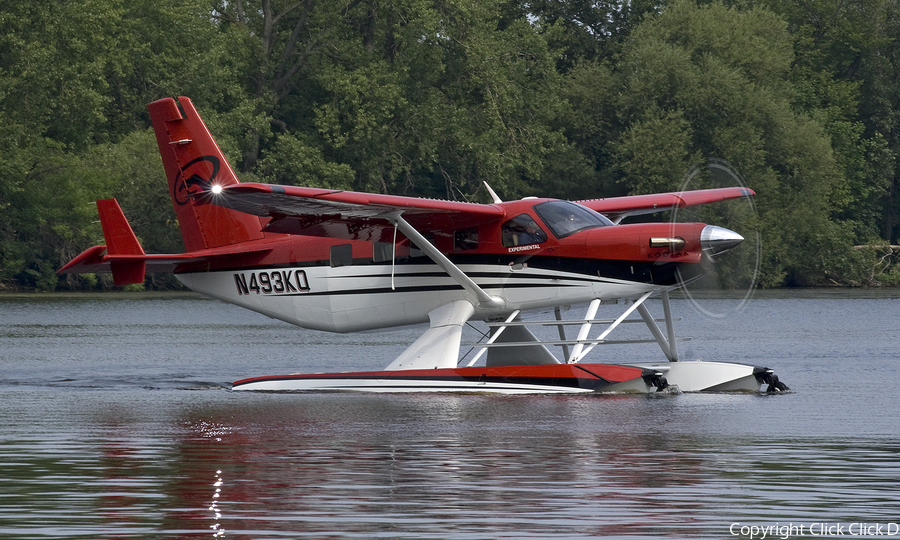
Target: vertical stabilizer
[[121, 243], [194, 163]]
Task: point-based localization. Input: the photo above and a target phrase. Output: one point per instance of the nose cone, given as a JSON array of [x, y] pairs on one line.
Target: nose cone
[[715, 240]]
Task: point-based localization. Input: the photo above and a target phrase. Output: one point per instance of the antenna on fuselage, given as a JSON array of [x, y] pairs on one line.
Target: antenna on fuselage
[[494, 196]]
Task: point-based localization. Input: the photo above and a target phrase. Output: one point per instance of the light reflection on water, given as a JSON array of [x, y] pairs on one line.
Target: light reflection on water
[[101, 439]]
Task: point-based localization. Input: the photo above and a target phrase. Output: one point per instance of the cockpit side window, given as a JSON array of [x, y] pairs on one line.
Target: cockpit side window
[[521, 230], [566, 218], [464, 239]]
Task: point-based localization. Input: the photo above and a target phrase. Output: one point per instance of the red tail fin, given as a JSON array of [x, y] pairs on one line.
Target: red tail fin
[[194, 163], [120, 240]]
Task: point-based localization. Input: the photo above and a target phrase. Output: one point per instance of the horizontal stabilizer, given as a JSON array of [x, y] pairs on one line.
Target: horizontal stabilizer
[[96, 260], [89, 261], [124, 257]]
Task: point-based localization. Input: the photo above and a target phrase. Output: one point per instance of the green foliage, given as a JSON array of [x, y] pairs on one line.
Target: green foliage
[[708, 81], [552, 98], [292, 161], [48, 214], [583, 30], [846, 73], [52, 68]]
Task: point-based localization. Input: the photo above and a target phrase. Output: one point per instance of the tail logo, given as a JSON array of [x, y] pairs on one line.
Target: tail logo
[[196, 180]]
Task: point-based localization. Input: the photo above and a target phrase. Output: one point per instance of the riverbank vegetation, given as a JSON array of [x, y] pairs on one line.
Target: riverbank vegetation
[[556, 98]]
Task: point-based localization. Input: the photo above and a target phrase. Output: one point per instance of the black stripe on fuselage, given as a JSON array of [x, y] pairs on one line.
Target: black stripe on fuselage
[[576, 269]]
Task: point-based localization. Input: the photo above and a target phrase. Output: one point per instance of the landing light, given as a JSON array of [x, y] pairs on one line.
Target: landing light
[[673, 243], [216, 189]]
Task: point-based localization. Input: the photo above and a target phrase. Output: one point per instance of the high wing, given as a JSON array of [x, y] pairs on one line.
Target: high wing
[[346, 214], [361, 216], [618, 208]]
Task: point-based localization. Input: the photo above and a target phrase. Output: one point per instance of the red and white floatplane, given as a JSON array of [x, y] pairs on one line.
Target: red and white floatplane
[[344, 261]]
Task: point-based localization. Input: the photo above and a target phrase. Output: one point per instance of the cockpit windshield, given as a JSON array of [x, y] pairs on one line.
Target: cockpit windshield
[[565, 218]]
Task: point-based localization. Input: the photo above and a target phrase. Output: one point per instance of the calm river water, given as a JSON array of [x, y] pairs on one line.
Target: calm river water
[[116, 421]]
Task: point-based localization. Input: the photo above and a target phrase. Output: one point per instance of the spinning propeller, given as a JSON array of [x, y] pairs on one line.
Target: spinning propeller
[[731, 243]]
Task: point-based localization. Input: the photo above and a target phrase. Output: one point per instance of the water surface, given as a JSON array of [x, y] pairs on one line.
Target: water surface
[[118, 422]]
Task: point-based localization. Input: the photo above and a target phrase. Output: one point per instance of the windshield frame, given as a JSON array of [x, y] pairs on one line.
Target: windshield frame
[[565, 218]]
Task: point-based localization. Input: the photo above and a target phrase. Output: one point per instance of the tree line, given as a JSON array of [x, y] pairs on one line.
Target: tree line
[[558, 98]]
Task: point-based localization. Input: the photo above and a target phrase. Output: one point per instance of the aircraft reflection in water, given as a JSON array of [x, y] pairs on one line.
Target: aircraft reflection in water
[[343, 262], [319, 474]]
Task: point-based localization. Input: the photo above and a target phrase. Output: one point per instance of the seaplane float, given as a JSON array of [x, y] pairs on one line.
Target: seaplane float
[[343, 261]]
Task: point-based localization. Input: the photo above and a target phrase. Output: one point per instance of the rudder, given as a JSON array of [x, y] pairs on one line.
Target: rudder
[[193, 164]]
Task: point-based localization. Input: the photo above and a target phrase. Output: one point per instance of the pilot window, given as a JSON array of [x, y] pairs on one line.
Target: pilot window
[[341, 255], [521, 230], [566, 218], [464, 239]]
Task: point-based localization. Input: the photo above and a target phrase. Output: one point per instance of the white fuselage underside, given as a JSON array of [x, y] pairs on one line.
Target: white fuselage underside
[[367, 297]]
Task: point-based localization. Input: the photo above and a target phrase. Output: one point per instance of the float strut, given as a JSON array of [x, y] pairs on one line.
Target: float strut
[[667, 344]]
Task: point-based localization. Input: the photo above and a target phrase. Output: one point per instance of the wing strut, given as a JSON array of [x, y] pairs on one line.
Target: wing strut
[[483, 298], [393, 257]]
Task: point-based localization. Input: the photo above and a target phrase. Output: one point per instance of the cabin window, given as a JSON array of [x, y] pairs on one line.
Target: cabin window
[[566, 218], [520, 231], [465, 239], [382, 252], [341, 255]]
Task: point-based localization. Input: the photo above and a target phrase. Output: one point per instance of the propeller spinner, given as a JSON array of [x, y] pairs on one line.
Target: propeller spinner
[[716, 240]]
